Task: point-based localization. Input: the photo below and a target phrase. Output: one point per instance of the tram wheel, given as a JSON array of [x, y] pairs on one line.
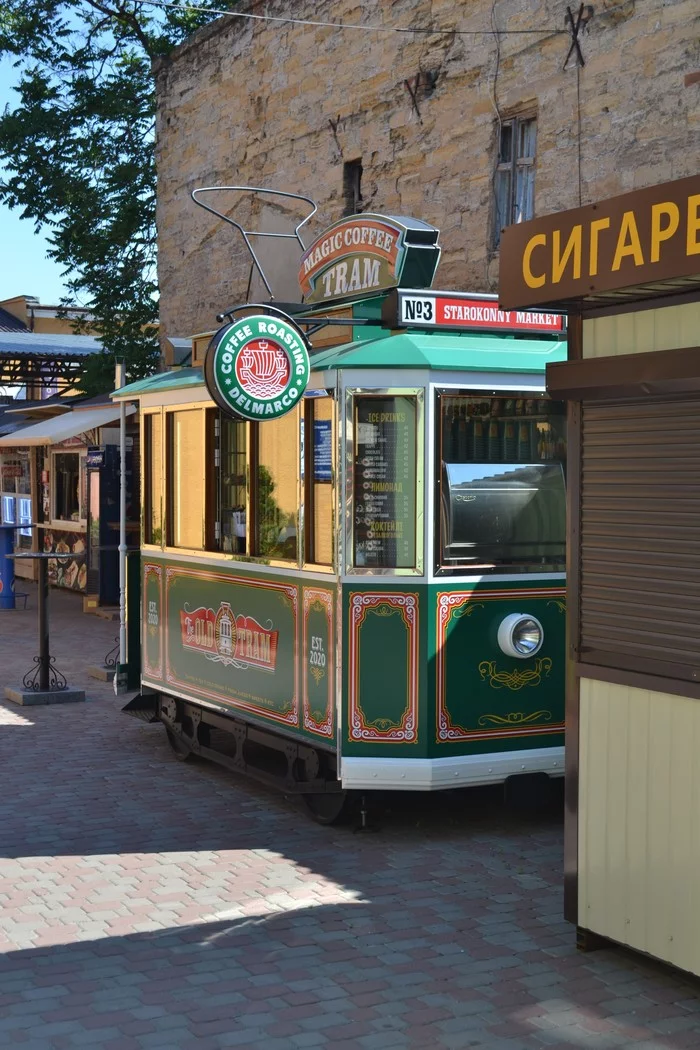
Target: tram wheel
[[327, 808], [180, 748]]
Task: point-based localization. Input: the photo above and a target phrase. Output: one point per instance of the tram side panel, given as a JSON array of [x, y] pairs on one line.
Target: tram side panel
[[487, 701], [258, 647], [426, 679]]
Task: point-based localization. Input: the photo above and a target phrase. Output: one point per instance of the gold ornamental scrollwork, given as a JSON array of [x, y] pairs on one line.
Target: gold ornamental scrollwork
[[561, 605], [516, 679], [515, 718], [458, 611], [384, 611]]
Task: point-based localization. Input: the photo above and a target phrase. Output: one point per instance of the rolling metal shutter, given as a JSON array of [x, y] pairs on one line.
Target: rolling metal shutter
[[640, 536]]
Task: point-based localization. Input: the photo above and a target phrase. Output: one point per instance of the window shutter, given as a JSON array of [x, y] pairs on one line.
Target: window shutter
[[640, 536]]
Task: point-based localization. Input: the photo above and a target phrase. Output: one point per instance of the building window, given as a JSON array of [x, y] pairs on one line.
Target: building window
[[352, 186], [514, 182], [67, 489]]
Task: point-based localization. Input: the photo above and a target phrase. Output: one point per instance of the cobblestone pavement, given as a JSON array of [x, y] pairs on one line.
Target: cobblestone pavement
[[146, 903]]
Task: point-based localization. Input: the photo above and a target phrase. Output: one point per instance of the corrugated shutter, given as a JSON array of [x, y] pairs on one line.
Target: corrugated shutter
[[640, 536]]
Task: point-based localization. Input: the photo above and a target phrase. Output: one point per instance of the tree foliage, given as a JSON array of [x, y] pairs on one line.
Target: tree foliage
[[78, 154]]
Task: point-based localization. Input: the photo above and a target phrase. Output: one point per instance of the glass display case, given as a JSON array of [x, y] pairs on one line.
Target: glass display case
[[512, 514]]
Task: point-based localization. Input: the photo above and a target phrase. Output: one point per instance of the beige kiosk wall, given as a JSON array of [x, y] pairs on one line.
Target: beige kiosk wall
[[639, 837], [665, 328], [639, 786]]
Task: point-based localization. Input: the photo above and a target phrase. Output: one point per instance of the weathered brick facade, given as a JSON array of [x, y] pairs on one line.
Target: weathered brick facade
[[284, 106]]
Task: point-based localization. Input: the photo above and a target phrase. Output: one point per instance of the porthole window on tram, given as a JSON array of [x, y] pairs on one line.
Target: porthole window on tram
[[153, 509], [186, 478], [319, 464], [277, 488], [502, 468], [232, 481]]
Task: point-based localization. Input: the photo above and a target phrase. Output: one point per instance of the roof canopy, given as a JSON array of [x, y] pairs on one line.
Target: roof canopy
[[42, 359], [60, 428]]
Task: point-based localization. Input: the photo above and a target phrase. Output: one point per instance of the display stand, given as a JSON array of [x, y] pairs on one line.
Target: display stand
[[44, 684]]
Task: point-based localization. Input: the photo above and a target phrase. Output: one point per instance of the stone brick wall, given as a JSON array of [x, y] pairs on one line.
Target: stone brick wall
[[284, 106]]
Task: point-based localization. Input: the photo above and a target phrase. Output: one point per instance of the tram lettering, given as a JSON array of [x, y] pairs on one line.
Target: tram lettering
[[335, 279]]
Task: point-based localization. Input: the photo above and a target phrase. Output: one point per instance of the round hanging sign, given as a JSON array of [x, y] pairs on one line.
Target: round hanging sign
[[257, 368]]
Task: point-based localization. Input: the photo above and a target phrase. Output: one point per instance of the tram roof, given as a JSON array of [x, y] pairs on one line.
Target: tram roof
[[435, 350], [444, 352], [174, 380]]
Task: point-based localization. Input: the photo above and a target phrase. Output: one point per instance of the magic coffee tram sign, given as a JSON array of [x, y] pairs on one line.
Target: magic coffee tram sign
[[366, 254], [258, 367]]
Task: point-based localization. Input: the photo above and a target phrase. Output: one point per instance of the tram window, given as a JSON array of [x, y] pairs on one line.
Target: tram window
[[277, 487], [185, 478], [384, 482], [153, 447], [319, 472], [232, 481], [512, 515]]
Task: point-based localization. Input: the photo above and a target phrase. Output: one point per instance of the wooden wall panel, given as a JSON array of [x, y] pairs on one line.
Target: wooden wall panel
[[639, 833], [665, 328]]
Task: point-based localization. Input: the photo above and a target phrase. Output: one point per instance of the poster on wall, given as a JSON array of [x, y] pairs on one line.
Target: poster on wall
[[70, 573]]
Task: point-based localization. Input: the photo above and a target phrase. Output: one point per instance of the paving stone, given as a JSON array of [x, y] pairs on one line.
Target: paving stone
[[147, 905]]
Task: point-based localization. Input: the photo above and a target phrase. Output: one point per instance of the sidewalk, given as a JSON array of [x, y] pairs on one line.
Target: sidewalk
[[146, 903]]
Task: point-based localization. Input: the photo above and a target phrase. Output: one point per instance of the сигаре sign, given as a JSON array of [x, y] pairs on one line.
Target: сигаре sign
[[635, 239]]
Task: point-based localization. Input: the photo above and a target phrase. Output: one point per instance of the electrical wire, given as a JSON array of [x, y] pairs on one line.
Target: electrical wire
[[370, 28]]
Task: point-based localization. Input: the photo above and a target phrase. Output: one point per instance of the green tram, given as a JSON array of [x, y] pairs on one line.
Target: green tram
[[361, 587]]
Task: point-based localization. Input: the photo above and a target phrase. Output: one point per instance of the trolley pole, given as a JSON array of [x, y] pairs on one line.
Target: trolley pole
[[120, 678]]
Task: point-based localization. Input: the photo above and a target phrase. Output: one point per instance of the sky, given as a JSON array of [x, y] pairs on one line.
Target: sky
[[24, 266]]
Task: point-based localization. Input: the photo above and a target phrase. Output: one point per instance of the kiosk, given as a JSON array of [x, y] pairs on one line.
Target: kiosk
[[628, 270], [353, 546]]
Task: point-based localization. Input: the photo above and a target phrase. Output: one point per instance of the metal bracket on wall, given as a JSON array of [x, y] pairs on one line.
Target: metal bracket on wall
[[412, 89], [422, 80], [575, 25], [334, 132]]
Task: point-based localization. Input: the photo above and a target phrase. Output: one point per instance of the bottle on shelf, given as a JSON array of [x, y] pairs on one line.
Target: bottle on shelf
[[462, 435], [509, 441], [493, 444], [477, 439], [524, 442]]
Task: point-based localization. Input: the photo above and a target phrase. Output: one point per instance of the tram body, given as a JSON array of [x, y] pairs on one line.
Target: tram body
[[367, 592]]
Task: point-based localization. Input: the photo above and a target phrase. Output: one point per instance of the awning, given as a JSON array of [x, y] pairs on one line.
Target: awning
[[59, 428]]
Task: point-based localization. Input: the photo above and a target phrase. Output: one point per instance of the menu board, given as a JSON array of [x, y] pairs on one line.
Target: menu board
[[384, 489]]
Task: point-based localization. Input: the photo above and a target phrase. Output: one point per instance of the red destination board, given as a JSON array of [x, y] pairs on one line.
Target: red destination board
[[451, 310]]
